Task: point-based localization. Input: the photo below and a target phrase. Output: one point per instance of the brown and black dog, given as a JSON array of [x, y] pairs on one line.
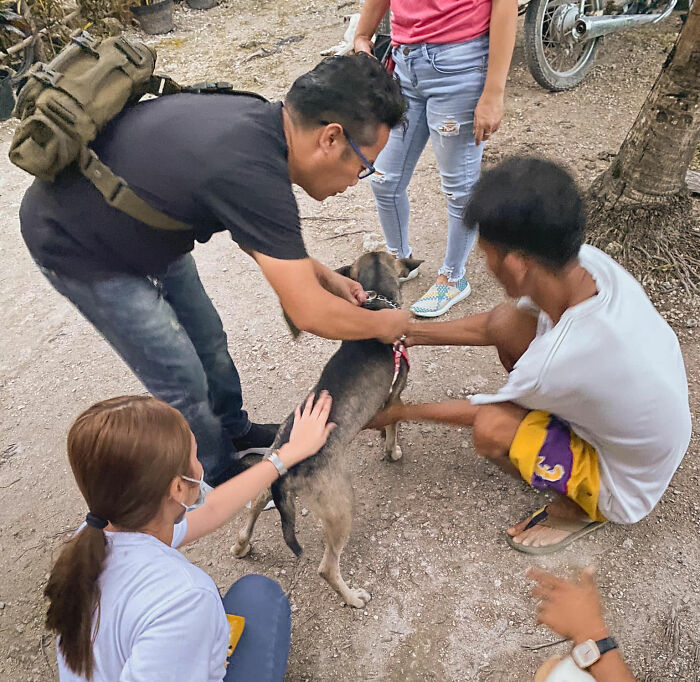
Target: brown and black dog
[[360, 379]]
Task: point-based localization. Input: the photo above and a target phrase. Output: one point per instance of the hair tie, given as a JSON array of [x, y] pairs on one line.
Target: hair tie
[[95, 521]]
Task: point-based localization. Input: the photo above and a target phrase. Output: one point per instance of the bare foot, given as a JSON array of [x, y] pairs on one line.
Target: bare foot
[[442, 279], [564, 517]]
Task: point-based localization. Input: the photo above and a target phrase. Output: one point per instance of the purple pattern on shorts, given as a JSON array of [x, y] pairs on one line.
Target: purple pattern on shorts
[[555, 457]]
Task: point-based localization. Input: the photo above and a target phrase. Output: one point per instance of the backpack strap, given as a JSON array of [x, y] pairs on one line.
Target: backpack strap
[[119, 195], [219, 88], [116, 190], [162, 85]]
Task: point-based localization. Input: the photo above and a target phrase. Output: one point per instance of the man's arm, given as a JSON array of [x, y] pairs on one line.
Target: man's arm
[[467, 331], [573, 610], [502, 29], [455, 412], [371, 15], [314, 309]]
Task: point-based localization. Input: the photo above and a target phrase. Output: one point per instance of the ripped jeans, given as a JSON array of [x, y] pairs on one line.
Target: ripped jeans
[[442, 84]]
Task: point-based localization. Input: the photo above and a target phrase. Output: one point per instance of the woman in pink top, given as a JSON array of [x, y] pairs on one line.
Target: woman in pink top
[[452, 59]]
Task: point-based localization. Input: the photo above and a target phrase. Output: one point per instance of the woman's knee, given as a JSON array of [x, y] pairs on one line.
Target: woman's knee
[[386, 185], [258, 589], [263, 650]]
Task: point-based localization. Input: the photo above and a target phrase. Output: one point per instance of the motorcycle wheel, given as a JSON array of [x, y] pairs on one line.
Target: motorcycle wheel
[[556, 61]]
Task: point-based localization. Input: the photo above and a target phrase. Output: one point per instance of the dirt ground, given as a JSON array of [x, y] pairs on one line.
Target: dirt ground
[[449, 599]]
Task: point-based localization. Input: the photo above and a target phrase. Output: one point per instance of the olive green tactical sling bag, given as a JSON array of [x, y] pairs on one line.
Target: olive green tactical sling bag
[[65, 103]]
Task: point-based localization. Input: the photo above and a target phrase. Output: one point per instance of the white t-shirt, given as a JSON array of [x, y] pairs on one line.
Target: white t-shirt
[[161, 618], [612, 368]]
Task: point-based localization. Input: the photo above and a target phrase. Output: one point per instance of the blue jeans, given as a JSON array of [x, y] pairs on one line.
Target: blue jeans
[[171, 336], [263, 649], [442, 85]]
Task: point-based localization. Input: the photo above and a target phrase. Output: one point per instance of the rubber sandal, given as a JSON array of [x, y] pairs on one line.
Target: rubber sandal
[[540, 516]]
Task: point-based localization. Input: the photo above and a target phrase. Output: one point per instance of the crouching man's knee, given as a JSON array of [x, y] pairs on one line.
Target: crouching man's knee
[[495, 427], [499, 324]]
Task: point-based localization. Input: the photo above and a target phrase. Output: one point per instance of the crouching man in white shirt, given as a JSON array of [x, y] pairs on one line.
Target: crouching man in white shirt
[[595, 407]]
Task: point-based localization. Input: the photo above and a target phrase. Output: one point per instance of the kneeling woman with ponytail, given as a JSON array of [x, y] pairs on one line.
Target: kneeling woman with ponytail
[[126, 605]]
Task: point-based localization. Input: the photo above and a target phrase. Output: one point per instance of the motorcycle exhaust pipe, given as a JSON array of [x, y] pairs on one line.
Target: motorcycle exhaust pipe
[[590, 28]]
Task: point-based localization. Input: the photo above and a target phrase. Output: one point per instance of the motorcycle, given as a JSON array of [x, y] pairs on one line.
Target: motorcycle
[[562, 36]]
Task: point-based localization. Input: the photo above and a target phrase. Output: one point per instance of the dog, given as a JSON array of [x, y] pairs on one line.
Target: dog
[[361, 379]]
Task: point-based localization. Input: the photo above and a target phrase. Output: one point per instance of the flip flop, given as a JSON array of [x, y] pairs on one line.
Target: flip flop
[[577, 530]]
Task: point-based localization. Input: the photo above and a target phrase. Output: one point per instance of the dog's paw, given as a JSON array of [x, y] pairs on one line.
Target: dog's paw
[[358, 598], [396, 453], [241, 549]]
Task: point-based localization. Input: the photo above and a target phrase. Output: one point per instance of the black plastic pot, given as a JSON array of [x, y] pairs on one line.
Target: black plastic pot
[[202, 4], [156, 17], [7, 98]]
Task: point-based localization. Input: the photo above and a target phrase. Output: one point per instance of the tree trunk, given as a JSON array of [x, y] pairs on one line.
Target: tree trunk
[[652, 162], [640, 211]]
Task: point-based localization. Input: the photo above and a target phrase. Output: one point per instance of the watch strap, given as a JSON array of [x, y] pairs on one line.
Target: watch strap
[[605, 645], [277, 462]]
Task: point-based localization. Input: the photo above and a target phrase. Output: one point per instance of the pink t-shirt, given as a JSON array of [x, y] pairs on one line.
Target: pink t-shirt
[[438, 21]]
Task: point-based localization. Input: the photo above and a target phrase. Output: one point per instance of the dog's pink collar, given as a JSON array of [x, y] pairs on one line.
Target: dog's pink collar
[[400, 351]]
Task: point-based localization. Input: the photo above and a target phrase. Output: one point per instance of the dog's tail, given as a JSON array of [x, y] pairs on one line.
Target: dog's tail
[[284, 501]]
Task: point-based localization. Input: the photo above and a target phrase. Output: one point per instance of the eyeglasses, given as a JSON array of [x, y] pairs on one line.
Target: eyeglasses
[[369, 169]]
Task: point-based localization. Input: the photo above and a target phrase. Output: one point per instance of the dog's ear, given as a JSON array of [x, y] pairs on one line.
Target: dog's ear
[[344, 270], [405, 265]]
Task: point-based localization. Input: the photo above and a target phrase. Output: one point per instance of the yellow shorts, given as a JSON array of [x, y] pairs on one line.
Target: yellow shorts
[[550, 456]]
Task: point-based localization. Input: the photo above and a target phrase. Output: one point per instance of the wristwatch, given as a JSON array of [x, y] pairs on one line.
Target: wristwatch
[[588, 652], [278, 463]]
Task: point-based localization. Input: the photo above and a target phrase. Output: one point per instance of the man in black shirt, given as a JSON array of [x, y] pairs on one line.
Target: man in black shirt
[[215, 162]]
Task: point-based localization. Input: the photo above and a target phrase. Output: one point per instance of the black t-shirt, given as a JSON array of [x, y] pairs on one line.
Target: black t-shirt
[[216, 162]]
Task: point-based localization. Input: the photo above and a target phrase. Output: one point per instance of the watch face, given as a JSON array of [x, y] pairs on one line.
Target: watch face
[[585, 654]]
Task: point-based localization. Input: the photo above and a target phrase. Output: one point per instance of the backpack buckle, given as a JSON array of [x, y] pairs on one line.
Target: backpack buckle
[[130, 52], [46, 75], [164, 85], [86, 43], [109, 184], [210, 88]]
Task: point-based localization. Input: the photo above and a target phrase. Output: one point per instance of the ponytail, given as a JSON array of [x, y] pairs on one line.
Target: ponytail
[[74, 595], [124, 453]]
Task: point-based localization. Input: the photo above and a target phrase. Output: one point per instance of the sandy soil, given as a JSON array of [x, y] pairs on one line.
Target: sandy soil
[[449, 598]]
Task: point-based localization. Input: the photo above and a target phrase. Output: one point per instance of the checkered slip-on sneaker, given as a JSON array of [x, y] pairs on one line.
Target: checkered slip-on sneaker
[[440, 298]]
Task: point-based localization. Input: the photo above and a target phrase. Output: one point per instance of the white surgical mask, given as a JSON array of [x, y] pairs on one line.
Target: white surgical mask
[[204, 490]]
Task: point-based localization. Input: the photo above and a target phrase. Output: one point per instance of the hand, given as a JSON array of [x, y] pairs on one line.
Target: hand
[[391, 324], [346, 288], [570, 609], [487, 116], [362, 44], [389, 415], [310, 430]]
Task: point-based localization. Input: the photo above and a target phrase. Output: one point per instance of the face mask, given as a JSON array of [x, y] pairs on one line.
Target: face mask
[[204, 490]]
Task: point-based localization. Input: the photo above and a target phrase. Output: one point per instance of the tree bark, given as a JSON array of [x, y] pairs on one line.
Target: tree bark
[[652, 162]]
